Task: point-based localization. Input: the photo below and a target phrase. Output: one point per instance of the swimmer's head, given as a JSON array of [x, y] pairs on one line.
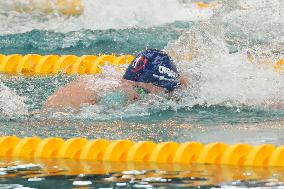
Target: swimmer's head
[[155, 67]]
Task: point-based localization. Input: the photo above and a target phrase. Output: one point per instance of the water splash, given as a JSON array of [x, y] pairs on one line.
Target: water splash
[[98, 16], [258, 26], [218, 76], [221, 77], [11, 104]]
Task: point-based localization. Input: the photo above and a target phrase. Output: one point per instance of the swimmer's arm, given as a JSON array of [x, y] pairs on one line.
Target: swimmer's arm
[[71, 95]]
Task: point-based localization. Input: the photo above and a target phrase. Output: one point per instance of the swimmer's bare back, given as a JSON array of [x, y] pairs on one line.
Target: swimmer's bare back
[[72, 95]]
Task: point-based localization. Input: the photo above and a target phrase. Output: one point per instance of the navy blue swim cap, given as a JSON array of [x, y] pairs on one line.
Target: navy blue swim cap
[[153, 66]]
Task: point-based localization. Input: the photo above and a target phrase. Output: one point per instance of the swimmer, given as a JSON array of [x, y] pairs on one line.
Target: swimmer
[[152, 71]]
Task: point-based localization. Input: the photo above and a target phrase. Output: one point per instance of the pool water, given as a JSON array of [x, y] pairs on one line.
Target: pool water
[[232, 98], [82, 174]]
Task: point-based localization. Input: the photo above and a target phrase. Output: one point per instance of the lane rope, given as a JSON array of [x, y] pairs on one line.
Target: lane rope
[[33, 64], [218, 153]]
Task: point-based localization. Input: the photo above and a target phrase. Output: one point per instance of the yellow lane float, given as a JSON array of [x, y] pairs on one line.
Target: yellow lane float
[[33, 64], [204, 5], [63, 7], [188, 153], [279, 65]]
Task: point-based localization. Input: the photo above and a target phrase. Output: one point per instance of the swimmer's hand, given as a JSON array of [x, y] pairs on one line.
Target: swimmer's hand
[[184, 80]]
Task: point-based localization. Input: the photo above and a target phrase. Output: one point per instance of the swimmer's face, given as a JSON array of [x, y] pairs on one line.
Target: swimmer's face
[[149, 87], [133, 94]]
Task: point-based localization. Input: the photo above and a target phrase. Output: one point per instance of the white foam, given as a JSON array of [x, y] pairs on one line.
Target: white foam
[[82, 183], [221, 78], [134, 172], [143, 186], [11, 104], [121, 184], [23, 166], [257, 22], [103, 14], [35, 179], [130, 13], [154, 179], [3, 173]]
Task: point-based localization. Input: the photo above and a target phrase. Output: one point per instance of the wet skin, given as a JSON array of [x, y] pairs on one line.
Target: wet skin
[[76, 93]]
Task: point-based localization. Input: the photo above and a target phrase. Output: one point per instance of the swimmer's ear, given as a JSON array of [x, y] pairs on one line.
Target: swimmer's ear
[[184, 80]]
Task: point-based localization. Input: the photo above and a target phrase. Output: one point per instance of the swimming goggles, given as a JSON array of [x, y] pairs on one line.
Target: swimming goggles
[[141, 90]]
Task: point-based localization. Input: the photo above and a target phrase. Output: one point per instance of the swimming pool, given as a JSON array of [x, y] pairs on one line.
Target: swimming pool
[[230, 100]]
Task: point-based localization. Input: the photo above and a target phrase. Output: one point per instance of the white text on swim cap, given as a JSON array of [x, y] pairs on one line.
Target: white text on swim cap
[[168, 71]]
